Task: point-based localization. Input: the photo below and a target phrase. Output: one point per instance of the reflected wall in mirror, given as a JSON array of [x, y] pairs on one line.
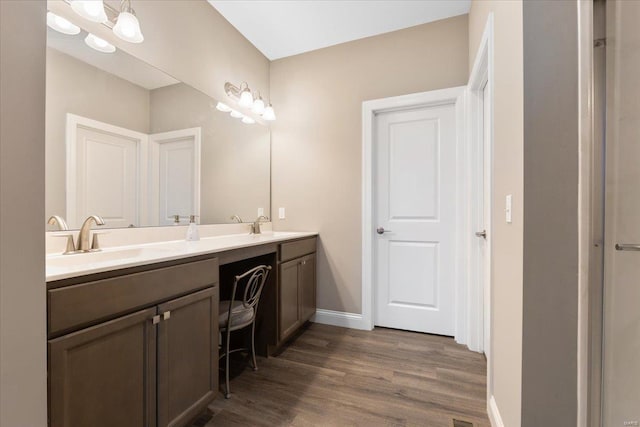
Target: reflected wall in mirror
[[136, 146]]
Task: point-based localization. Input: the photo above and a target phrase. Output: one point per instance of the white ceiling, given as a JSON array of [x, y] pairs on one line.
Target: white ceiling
[[288, 27]]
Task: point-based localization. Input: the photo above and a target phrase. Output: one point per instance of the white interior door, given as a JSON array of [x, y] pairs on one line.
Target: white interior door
[[103, 172], [621, 345], [415, 213], [175, 175], [485, 209]]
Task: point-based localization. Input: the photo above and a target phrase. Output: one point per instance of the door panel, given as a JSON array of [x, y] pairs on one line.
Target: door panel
[[289, 314], [96, 370], [106, 181], [307, 287], [187, 356], [416, 205], [621, 379]]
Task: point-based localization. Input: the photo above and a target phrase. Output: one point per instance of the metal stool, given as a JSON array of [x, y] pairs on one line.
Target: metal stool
[[236, 315]]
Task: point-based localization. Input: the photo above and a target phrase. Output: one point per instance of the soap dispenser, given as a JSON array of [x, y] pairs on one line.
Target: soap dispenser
[[192, 231]]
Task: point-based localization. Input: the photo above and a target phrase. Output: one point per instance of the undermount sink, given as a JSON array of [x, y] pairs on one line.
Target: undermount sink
[[85, 258]]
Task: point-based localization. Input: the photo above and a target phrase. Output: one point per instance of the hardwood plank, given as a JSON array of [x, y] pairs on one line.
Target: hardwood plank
[[332, 376]]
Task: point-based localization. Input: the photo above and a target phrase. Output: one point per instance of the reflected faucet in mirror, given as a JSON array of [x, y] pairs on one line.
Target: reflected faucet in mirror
[[237, 219], [62, 226]]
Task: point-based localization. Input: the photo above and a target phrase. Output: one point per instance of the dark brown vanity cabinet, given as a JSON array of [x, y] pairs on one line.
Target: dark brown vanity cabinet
[[297, 285], [154, 365]]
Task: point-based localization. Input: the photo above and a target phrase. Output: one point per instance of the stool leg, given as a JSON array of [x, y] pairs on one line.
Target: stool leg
[[253, 345], [227, 394]]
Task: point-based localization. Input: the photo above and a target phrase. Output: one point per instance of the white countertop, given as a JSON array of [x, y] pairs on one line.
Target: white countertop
[[115, 258]]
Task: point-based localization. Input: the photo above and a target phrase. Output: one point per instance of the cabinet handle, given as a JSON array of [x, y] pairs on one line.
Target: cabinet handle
[[155, 319], [303, 262], [166, 315]]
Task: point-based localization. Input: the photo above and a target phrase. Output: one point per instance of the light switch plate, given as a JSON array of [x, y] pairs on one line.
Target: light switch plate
[[260, 211], [507, 209], [281, 214]]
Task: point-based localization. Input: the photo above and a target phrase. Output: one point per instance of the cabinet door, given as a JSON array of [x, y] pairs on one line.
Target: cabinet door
[[288, 308], [187, 356], [307, 287], [104, 376]]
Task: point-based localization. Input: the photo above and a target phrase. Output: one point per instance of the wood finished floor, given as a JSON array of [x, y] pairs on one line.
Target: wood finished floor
[[332, 376]]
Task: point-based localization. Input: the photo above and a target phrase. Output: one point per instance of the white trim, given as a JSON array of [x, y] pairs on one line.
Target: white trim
[[482, 75], [452, 96], [340, 318], [72, 123], [494, 413]]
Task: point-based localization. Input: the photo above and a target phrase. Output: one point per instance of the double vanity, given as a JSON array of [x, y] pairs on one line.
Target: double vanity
[[133, 330]]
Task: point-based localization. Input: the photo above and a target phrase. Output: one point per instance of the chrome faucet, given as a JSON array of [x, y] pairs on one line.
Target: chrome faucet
[[237, 219], [62, 226], [256, 224], [85, 233]]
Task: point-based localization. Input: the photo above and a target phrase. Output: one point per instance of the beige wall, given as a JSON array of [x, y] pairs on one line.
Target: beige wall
[[75, 87], [23, 356], [317, 138], [508, 179], [235, 157]]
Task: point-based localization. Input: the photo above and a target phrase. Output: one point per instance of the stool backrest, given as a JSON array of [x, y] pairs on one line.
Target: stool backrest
[[255, 283]]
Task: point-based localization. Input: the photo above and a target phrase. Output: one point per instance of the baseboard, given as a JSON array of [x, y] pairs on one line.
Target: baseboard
[[340, 318], [494, 413]]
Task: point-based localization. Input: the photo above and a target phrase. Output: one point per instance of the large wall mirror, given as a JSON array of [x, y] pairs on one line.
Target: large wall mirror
[[129, 143]]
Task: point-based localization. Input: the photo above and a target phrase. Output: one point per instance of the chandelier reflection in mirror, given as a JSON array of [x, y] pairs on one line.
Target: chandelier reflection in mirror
[[124, 22]]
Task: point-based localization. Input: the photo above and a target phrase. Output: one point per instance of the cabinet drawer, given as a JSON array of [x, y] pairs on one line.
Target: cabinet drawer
[[297, 249], [78, 305]]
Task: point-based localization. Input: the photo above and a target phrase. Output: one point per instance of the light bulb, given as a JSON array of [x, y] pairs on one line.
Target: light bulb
[[128, 28], [93, 10], [223, 107], [246, 99], [258, 106], [236, 114], [248, 120], [61, 25], [99, 44], [269, 114]]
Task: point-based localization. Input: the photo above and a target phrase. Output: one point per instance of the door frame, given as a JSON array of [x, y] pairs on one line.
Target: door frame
[[481, 77], [451, 96], [73, 123]]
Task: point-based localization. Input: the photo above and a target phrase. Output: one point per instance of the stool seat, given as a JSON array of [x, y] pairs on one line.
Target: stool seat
[[241, 316]]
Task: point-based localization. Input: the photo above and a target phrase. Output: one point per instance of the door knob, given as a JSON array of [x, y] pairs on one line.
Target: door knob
[[381, 230], [482, 234]]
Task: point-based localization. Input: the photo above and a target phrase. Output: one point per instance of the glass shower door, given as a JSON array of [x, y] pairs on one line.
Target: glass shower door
[[621, 329]]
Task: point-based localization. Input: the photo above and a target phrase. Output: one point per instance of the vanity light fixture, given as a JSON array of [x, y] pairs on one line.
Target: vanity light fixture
[[99, 44], [242, 95], [269, 114], [61, 25], [246, 98], [93, 10], [248, 120], [258, 105], [127, 25], [223, 107]]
